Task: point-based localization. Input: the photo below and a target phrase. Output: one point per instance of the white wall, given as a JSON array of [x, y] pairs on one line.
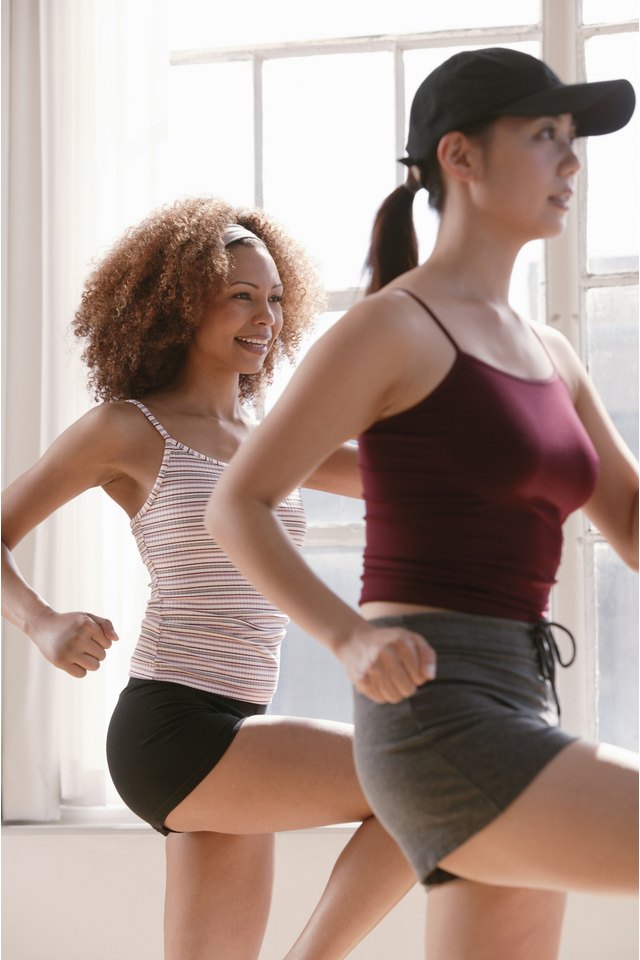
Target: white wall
[[72, 893]]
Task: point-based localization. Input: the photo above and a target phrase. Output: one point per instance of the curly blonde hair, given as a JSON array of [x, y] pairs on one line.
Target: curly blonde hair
[[144, 300]]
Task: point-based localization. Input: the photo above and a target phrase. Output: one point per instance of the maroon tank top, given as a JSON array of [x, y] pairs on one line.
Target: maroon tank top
[[466, 492]]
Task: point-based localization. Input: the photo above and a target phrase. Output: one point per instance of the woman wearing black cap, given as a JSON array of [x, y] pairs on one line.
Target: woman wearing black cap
[[478, 436]]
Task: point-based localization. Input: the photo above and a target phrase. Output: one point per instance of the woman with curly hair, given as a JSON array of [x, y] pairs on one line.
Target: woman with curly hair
[[182, 322]]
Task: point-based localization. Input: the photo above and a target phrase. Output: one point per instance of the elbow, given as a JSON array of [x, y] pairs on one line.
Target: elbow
[[210, 518], [225, 512], [231, 513], [628, 552], [631, 559], [214, 513], [7, 548], [625, 545]]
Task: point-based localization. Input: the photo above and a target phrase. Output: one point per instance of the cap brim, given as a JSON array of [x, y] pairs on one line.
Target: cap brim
[[596, 108]]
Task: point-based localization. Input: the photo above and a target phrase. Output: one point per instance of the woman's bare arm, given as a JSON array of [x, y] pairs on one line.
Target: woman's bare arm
[[339, 473], [613, 506], [84, 456]]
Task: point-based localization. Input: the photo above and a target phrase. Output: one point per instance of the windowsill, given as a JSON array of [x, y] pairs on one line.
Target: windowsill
[[84, 820], [117, 819]]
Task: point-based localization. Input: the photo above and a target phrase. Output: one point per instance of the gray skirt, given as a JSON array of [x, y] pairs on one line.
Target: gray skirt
[[442, 764]]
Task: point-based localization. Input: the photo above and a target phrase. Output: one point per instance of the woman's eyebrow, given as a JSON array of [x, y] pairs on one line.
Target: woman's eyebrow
[[556, 118], [250, 284]]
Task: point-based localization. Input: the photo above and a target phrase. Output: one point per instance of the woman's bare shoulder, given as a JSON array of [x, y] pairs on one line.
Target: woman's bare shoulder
[[104, 444], [391, 313], [563, 355], [116, 419], [109, 434]]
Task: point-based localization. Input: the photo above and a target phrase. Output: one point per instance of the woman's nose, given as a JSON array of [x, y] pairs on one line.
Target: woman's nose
[[570, 162], [264, 314]]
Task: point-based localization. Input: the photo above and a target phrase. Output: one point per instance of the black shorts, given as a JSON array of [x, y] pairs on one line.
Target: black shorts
[[164, 738]]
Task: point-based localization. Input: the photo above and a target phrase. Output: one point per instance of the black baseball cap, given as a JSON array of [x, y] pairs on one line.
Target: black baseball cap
[[478, 85]]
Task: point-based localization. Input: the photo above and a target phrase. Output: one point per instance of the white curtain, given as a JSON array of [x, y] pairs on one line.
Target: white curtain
[[84, 150]]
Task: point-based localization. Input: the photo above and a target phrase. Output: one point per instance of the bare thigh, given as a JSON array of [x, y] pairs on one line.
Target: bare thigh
[[574, 828], [218, 893], [280, 773], [474, 921]]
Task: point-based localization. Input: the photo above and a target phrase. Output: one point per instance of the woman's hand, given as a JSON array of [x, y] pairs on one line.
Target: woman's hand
[[387, 664], [74, 642]]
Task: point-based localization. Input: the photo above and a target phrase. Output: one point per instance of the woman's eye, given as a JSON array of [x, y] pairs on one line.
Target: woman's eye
[[553, 133], [242, 295], [276, 298]]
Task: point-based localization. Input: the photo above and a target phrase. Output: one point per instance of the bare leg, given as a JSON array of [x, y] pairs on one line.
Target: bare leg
[[218, 895], [365, 883], [474, 921], [280, 773], [283, 774], [574, 828]]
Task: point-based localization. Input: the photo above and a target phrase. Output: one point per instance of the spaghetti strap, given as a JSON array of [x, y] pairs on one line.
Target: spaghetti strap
[[161, 430], [433, 316], [544, 347]]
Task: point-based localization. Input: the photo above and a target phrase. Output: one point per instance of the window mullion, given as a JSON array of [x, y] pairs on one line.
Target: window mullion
[[258, 133], [564, 307], [400, 119]]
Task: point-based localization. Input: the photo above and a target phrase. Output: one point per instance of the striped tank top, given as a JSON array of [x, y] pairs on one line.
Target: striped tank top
[[205, 626]]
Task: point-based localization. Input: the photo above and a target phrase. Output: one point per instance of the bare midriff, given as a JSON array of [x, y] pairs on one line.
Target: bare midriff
[[389, 608]]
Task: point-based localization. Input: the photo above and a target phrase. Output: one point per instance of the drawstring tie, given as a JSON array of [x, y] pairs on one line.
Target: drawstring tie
[[548, 652]]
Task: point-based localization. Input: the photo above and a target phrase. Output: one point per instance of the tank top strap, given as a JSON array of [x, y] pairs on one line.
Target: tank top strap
[[544, 347], [433, 316], [161, 430]]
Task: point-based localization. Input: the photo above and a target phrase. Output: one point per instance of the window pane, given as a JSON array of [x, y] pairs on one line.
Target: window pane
[[211, 131], [329, 154], [285, 370], [617, 637], [121, 596], [199, 23], [326, 509], [612, 166], [612, 355], [312, 681], [526, 282], [609, 11]]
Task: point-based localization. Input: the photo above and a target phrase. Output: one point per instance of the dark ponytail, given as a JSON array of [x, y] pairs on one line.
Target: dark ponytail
[[394, 246]]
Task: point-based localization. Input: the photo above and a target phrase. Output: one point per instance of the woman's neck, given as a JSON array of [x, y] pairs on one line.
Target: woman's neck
[[472, 260], [202, 394]]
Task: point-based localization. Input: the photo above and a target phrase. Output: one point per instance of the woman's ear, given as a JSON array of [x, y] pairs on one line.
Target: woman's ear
[[459, 156]]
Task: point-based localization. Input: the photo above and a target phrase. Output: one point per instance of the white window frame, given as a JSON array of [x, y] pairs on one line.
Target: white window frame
[[567, 282]]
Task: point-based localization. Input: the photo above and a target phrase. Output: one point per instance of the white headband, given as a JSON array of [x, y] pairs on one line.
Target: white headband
[[235, 232]]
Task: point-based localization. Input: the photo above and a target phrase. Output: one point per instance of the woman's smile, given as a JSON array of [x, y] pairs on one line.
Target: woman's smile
[[255, 344]]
